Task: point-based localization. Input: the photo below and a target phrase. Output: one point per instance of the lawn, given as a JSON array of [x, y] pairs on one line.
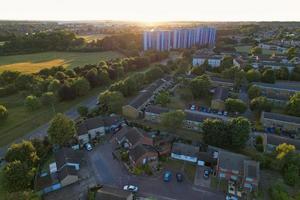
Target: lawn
[[188, 168], [20, 121], [246, 49], [30, 63]]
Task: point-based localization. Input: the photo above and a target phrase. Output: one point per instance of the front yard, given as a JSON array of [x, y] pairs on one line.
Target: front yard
[[187, 168]]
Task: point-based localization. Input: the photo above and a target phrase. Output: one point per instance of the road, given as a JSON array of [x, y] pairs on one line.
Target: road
[[109, 171], [42, 130]]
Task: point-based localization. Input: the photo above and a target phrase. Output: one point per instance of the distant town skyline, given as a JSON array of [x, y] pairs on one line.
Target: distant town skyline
[[151, 11]]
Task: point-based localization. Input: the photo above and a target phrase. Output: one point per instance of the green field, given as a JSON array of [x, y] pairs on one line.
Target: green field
[[246, 49], [90, 38], [30, 63]]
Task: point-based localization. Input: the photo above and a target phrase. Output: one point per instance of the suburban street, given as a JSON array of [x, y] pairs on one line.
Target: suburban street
[[110, 171]]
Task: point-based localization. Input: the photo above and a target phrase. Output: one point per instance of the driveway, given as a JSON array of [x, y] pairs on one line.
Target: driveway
[[199, 179], [109, 171]]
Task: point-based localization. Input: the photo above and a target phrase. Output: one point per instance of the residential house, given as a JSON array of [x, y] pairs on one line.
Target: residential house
[[143, 154], [279, 92], [238, 169], [281, 122], [185, 152], [130, 137], [94, 127], [272, 141], [208, 157], [153, 113], [251, 175], [213, 60], [63, 172], [111, 193], [219, 97], [135, 107]]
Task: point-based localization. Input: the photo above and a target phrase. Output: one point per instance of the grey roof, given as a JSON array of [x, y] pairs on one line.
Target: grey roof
[[251, 169], [66, 155], [156, 109], [277, 140], [110, 193], [145, 94], [281, 85], [281, 117], [218, 79], [231, 161], [89, 124], [221, 93], [66, 171], [140, 150], [132, 134], [207, 56], [48, 180], [185, 149], [278, 64]]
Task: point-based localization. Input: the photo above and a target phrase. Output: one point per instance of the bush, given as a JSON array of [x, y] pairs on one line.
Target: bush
[[32, 103], [3, 113]]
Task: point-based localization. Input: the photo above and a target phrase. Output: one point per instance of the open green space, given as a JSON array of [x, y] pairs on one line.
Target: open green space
[[30, 63], [92, 37], [246, 49]]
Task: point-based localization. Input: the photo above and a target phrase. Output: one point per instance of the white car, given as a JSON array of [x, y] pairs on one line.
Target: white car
[[88, 147], [130, 188]]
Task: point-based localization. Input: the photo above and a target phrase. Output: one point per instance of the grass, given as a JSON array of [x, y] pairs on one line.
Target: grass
[[30, 63], [246, 49], [2, 189], [2, 43], [218, 184], [90, 38], [20, 121], [188, 168]]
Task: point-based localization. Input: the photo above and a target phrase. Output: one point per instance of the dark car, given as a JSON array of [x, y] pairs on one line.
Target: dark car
[[179, 177], [206, 174]]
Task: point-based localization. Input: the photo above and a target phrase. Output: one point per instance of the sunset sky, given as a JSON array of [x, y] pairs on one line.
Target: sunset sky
[[152, 10]]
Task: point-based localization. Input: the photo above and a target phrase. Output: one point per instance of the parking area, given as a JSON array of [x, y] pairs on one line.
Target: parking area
[[200, 180]]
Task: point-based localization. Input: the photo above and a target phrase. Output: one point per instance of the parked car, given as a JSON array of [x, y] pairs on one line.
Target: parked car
[[130, 188], [219, 113], [167, 176], [88, 147], [179, 177], [193, 107], [206, 174]]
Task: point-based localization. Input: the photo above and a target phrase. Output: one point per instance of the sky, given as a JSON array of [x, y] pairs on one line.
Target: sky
[[151, 10]]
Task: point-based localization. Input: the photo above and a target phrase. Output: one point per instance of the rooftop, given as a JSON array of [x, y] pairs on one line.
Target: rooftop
[[281, 85], [185, 149], [140, 150], [110, 193], [66, 155], [251, 169], [281, 117], [231, 161], [277, 140], [156, 109]]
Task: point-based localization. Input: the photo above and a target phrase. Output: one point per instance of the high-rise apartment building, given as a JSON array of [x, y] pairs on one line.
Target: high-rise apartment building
[[179, 38]]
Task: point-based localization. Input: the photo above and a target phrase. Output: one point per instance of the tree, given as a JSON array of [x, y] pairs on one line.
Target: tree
[[235, 105], [60, 75], [291, 174], [3, 113], [173, 119], [48, 98], [66, 92], [153, 74], [81, 86], [282, 73], [197, 71], [283, 149], [32, 103], [17, 176], [24, 195], [268, 76], [278, 192], [61, 129], [293, 106], [260, 104], [103, 77], [71, 73], [253, 75], [200, 86], [24, 81], [226, 62], [254, 91], [111, 101], [215, 132], [42, 147], [239, 130], [24, 152], [92, 77], [54, 86], [83, 111], [256, 50], [291, 53], [163, 98]]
